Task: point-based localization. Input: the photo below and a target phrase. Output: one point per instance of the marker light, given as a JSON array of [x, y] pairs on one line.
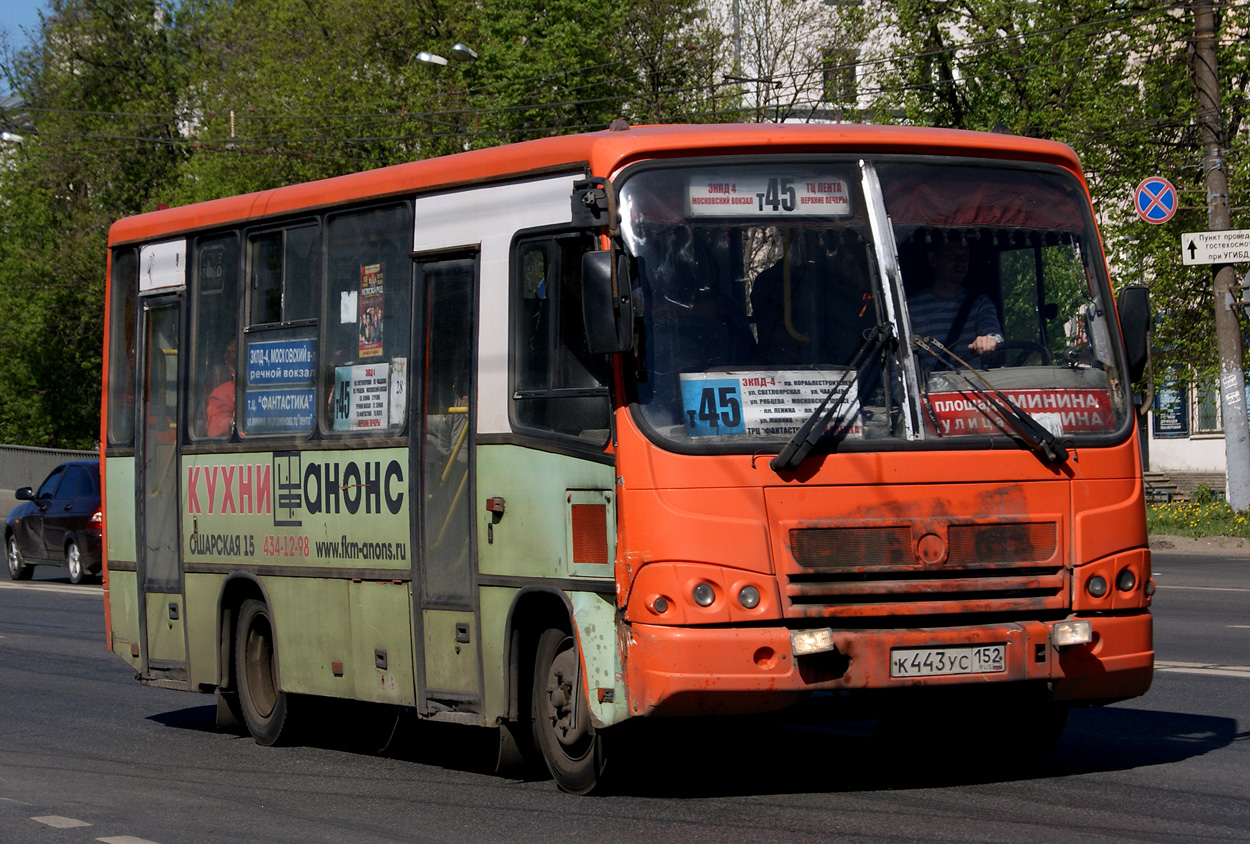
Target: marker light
[[659, 605], [749, 597], [703, 595], [1150, 588], [1071, 633], [804, 642], [1126, 580], [1097, 586]]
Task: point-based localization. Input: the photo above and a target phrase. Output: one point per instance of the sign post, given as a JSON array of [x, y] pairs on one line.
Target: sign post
[[1227, 329]]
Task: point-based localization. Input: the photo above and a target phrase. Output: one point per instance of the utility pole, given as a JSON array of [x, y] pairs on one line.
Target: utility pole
[[1227, 330]]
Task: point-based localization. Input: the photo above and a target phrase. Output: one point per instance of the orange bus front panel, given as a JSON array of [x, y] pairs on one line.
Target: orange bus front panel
[[692, 671]]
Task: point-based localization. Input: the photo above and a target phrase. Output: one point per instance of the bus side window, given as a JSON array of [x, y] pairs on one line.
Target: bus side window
[[368, 302], [121, 406], [558, 386], [214, 331], [278, 363]]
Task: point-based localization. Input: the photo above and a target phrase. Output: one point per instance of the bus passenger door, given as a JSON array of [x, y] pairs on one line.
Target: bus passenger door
[[449, 673], [161, 607]]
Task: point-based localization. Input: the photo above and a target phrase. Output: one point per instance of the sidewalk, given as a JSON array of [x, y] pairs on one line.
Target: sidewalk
[[1228, 546]]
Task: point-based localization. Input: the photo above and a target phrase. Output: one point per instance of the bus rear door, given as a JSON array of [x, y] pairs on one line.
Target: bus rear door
[[162, 608]]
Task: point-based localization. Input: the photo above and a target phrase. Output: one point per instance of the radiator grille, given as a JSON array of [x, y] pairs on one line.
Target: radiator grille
[[874, 571]]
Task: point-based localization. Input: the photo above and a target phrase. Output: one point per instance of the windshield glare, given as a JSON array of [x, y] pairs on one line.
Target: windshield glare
[[756, 288]]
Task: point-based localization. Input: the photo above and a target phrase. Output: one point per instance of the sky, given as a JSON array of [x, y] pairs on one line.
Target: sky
[[16, 14]]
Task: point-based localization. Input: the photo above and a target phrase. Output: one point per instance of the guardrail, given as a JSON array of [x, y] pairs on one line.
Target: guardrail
[[26, 466]]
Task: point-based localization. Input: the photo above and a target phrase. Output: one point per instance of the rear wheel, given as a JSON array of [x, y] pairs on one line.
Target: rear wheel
[[18, 570], [570, 745], [73, 561], [264, 707]]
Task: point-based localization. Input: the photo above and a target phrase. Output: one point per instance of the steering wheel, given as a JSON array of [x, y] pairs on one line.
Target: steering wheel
[[1018, 353]]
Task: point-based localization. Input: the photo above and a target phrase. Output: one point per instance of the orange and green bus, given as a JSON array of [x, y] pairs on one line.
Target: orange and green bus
[[648, 422]]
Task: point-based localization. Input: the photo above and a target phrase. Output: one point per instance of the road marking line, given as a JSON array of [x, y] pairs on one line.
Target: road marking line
[[1211, 669], [124, 839], [10, 799], [58, 822], [63, 588], [1230, 627]]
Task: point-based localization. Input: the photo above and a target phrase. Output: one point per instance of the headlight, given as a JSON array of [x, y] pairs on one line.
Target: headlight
[[703, 595], [1071, 633], [1126, 580], [804, 642]]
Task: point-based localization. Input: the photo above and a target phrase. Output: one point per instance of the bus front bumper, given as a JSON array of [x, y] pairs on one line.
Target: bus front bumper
[[735, 671]]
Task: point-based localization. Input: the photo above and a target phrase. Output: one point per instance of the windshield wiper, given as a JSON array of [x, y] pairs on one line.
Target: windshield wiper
[[809, 433], [1035, 435]]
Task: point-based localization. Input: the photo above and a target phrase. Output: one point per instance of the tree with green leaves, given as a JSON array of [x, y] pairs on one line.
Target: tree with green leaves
[[99, 88]]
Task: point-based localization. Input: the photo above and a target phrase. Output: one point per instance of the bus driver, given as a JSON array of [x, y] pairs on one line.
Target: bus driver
[[947, 312]]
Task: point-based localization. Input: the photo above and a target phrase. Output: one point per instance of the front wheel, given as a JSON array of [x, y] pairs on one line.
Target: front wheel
[[570, 745], [73, 562], [264, 706], [18, 570]]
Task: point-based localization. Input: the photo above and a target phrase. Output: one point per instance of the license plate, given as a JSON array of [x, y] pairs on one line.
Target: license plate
[[934, 662]]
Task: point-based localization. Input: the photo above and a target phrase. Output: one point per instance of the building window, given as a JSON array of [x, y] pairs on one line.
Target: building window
[[839, 69], [1207, 416]]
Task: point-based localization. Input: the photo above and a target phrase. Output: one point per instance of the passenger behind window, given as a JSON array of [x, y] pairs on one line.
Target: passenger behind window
[[219, 407]]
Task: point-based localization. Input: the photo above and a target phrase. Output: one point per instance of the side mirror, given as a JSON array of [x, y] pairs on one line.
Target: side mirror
[[606, 307], [1134, 308], [24, 494]]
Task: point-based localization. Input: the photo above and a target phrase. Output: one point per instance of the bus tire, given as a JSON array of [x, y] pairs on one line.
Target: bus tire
[[264, 706], [570, 745]]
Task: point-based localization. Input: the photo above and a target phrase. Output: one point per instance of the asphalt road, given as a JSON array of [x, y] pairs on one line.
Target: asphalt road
[[87, 754]]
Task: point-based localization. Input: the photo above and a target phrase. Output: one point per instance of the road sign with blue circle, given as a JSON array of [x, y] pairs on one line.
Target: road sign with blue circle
[[1155, 200]]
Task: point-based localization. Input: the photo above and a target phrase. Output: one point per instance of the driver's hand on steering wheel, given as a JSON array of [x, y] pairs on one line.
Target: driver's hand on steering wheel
[[984, 344]]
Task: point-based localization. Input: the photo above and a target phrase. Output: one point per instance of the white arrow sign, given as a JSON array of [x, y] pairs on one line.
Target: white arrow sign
[[1226, 247]]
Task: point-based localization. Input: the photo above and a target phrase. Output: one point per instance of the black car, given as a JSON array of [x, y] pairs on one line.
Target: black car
[[59, 525]]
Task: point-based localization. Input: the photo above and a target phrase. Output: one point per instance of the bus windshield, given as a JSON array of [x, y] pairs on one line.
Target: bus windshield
[[764, 292]]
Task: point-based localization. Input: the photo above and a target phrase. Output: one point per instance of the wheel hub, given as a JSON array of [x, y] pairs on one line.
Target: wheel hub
[[562, 699]]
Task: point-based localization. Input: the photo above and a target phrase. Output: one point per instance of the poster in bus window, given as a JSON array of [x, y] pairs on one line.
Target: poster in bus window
[[766, 403], [362, 397], [370, 323], [279, 394]]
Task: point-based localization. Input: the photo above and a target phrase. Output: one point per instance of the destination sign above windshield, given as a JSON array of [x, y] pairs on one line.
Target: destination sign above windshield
[[715, 195]]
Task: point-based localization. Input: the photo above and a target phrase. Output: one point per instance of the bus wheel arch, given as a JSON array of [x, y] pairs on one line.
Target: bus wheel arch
[[569, 742], [546, 695]]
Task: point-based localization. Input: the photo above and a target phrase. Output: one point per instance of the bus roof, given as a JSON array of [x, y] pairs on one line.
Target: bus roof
[[597, 153]]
